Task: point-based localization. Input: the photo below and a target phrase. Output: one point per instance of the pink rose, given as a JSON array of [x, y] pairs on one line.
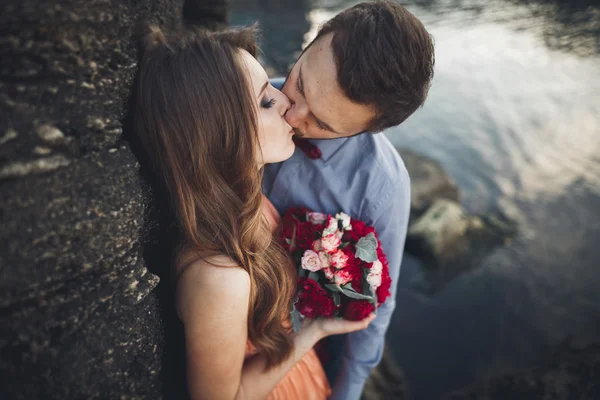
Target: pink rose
[[341, 277], [311, 261], [316, 246], [316, 218], [338, 259], [330, 243], [329, 273], [324, 257]]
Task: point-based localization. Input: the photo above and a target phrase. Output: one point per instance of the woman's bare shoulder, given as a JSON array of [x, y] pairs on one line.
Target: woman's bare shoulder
[[211, 280]]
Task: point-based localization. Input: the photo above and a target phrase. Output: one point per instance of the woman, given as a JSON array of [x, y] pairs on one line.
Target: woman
[[209, 121]]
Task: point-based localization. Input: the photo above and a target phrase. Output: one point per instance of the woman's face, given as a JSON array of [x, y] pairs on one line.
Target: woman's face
[[274, 133]]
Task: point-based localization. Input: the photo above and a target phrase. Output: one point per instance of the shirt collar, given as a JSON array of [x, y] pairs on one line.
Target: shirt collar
[[328, 147]]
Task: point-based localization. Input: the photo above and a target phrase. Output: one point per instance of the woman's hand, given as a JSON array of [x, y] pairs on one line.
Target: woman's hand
[[330, 326]]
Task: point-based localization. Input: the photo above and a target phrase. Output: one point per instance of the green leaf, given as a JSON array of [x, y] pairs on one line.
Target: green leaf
[[302, 273], [366, 248], [314, 276], [296, 319], [343, 245], [333, 288], [348, 286], [368, 291], [348, 291], [336, 298]]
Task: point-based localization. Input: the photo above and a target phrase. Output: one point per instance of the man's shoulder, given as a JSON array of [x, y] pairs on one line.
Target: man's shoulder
[[378, 154]]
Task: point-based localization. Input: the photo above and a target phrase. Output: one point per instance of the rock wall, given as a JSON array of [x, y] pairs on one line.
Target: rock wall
[[78, 314]]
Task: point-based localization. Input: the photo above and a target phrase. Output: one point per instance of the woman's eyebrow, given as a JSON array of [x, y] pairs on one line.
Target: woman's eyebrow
[[263, 89]]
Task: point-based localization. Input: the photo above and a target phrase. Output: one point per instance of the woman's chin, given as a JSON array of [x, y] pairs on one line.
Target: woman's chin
[[288, 152]]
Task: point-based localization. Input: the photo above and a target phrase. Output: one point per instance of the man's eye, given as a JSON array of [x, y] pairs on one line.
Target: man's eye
[[298, 88], [320, 126], [268, 103]]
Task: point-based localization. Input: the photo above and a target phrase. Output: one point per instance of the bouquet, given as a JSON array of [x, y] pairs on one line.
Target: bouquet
[[342, 270]]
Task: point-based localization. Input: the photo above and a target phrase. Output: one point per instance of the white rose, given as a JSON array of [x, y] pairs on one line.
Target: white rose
[[341, 277], [332, 227], [330, 243], [338, 259], [376, 267], [311, 261], [374, 280], [345, 218], [324, 258]]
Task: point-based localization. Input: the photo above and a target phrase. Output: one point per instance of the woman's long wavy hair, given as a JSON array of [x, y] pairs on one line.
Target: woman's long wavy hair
[[196, 119]]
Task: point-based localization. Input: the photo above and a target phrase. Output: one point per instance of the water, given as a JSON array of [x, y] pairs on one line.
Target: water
[[514, 116]]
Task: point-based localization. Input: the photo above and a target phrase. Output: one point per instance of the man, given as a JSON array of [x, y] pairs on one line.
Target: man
[[369, 68]]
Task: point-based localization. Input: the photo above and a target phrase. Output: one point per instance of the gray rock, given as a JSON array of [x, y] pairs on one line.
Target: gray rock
[[80, 314], [429, 182], [442, 235]]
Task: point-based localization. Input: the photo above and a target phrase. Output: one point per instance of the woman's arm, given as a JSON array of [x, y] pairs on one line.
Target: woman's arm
[[213, 305]]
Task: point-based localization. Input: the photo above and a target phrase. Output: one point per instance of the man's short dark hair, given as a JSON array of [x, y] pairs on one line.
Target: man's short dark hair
[[384, 58]]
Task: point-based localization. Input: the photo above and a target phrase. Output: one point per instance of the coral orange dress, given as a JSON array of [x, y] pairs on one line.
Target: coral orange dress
[[307, 379]]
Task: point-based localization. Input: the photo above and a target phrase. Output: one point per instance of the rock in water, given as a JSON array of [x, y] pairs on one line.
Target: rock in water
[[429, 182], [449, 242], [446, 239], [79, 313]]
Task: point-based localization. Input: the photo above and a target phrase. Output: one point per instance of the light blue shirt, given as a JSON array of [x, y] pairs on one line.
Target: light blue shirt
[[364, 177]]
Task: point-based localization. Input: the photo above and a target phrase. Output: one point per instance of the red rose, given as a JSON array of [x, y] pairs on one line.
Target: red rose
[[288, 225], [381, 254], [359, 229], [313, 300], [356, 272], [355, 310], [383, 292], [307, 234], [349, 252]]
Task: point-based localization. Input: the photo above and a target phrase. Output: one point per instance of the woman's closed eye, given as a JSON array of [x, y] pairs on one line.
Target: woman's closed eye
[[268, 103]]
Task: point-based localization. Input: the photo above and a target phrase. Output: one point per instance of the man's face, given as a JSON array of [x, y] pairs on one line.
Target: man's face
[[319, 108]]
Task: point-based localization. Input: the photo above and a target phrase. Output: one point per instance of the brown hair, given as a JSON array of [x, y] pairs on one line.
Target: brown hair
[[196, 118], [384, 58]]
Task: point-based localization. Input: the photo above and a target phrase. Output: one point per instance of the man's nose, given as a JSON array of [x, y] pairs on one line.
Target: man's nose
[[297, 113], [285, 104]]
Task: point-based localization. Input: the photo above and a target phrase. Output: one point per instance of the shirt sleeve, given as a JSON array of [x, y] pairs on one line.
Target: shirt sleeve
[[363, 350]]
